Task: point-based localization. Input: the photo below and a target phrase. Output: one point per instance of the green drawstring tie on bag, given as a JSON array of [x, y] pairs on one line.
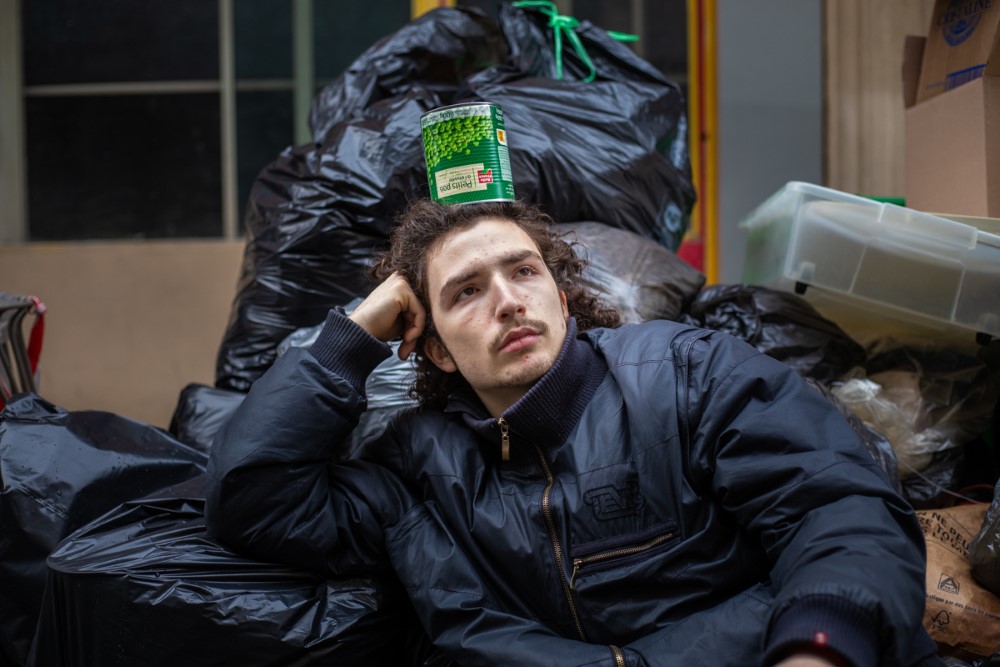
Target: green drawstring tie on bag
[[561, 23]]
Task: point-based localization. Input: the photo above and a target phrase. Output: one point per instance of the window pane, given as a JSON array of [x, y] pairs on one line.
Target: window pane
[[665, 41], [263, 39], [263, 129], [67, 41], [142, 166], [606, 15], [345, 29]]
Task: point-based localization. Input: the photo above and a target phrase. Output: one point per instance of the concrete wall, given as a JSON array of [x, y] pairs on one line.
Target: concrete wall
[[129, 323]]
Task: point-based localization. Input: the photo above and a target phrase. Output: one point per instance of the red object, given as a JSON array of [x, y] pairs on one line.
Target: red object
[[692, 251], [37, 334]]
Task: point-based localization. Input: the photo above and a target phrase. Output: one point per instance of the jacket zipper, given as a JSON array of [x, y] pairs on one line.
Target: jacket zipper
[[616, 553], [556, 546], [619, 658], [504, 439]]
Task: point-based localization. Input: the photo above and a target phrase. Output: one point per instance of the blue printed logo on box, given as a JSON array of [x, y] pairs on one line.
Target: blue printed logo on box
[[960, 20]]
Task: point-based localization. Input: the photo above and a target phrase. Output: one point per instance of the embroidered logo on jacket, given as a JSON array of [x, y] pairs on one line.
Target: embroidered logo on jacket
[[612, 502]]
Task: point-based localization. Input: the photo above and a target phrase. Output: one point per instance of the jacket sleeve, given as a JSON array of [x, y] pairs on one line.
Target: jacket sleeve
[[847, 553], [274, 488]]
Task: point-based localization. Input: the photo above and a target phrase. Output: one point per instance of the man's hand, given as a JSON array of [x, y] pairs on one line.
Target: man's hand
[[391, 311]]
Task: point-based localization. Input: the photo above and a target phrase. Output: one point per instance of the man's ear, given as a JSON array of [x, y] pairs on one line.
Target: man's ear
[[439, 356], [565, 308]]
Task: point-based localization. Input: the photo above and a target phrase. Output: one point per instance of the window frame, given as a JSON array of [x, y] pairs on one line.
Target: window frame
[[14, 221]]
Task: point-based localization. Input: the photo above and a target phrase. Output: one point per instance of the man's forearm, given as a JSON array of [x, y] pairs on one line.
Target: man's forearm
[[270, 482]]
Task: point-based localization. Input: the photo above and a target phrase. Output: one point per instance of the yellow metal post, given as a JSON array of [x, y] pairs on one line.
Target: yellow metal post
[[700, 246], [418, 7]]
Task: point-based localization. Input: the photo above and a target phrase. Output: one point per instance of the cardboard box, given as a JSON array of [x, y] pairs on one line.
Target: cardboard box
[[959, 44], [953, 139]]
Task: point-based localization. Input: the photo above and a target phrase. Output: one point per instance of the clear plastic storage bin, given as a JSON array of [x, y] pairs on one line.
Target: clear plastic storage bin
[[880, 258]]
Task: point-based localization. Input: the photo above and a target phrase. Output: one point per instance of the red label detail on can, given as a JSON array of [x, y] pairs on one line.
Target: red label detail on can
[[485, 176]]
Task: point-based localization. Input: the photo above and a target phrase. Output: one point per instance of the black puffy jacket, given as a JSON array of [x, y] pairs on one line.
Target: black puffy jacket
[[672, 497]]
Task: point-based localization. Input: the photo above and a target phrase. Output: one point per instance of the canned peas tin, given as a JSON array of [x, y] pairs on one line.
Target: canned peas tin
[[468, 160]]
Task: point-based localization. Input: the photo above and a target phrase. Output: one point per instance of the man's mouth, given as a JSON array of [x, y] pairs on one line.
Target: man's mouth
[[519, 338]]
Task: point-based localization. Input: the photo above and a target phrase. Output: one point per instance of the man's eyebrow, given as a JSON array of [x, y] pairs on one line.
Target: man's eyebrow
[[512, 257]]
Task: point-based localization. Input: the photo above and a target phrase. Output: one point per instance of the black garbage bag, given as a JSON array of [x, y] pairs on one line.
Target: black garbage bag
[[954, 661], [436, 52], [780, 324], [612, 150], [984, 551], [200, 413], [636, 276], [145, 584], [58, 471]]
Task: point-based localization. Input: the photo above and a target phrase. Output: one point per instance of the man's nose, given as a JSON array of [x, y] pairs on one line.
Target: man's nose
[[507, 300]]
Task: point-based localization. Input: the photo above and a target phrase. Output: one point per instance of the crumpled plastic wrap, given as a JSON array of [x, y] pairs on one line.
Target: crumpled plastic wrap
[[924, 401], [894, 410]]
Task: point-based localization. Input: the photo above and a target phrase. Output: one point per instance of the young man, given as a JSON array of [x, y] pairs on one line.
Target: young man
[[570, 493]]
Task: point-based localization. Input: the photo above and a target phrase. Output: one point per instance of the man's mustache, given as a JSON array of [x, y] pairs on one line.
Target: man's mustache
[[540, 327]]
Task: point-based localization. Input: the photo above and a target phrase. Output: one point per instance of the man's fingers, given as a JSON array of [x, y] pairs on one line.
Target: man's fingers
[[406, 349], [390, 310], [414, 321]]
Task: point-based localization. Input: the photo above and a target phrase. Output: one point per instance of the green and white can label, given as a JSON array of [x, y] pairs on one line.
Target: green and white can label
[[467, 155]]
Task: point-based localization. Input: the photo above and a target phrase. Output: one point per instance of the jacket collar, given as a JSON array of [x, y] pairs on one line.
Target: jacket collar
[[550, 410]]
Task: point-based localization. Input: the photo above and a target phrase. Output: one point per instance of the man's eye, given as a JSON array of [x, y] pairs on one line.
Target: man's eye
[[465, 292], [525, 271]]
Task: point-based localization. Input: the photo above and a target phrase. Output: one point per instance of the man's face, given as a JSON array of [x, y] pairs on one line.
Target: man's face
[[500, 319]]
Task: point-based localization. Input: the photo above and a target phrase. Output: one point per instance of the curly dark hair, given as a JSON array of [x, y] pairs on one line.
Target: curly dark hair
[[423, 223]]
